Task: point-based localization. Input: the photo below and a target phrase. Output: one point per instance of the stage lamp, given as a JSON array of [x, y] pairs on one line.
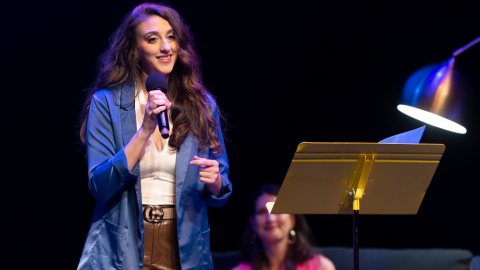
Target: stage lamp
[[435, 94]]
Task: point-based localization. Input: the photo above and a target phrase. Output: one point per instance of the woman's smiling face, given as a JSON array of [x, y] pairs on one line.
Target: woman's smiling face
[[270, 228], [157, 47]]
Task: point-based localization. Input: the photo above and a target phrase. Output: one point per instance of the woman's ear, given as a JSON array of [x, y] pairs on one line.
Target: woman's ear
[[293, 220]]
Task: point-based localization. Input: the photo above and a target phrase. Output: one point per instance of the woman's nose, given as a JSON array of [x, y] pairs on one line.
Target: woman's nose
[[165, 47]]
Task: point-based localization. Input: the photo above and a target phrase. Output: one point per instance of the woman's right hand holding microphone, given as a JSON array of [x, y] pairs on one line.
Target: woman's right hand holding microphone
[[157, 102]]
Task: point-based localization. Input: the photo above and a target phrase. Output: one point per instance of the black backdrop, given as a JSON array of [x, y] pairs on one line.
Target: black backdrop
[[284, 72]]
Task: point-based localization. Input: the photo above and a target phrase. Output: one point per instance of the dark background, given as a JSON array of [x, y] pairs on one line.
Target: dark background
[[328, 70]]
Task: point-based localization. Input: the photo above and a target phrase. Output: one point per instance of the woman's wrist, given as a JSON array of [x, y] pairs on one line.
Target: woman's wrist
[[216, 186], [143, 134]]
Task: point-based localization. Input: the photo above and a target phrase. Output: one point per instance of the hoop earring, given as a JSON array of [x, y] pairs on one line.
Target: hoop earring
[[292, 237]]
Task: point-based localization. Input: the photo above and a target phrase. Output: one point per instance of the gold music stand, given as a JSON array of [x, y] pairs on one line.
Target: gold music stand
[[333, 178]]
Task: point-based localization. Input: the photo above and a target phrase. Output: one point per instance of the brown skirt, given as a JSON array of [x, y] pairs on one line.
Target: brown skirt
[[161, 242]]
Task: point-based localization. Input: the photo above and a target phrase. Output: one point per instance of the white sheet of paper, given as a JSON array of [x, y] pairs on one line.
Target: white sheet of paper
[[412, 136]]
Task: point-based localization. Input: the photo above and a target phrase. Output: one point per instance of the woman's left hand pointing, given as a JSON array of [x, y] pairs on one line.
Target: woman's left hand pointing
[[209, 174], [208, 169]]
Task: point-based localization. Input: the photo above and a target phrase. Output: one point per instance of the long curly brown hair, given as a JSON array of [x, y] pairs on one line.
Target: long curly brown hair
[[118, 66]]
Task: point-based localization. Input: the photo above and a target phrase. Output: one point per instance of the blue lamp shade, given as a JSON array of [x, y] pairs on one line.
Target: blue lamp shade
[[435, 95]]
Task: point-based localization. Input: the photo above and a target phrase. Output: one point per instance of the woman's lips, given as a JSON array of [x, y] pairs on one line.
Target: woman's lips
[[164, 58], [269, 228]]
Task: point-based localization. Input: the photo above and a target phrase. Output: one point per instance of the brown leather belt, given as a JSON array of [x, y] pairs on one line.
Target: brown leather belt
[[157, 213]]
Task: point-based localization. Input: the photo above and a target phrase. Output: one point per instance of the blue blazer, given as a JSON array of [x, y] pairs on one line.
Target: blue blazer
[[115, 239]]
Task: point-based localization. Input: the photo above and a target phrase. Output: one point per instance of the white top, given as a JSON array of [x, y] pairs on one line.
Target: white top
[[157, 164]]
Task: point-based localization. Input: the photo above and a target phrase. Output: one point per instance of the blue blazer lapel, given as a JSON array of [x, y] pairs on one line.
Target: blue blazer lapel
[[182, 162], [126, 99]]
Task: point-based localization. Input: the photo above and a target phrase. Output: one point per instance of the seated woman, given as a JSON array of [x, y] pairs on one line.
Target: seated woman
[[275, 242]]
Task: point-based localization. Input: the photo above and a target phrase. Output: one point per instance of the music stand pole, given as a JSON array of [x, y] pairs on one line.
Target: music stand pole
[[355, 239]]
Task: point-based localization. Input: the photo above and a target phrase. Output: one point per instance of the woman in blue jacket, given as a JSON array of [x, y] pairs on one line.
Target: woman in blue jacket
[[152, 194]]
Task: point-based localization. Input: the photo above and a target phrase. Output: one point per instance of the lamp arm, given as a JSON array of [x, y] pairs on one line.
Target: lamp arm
[[459, 51]]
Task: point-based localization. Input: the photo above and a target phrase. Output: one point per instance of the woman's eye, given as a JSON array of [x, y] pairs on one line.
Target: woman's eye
[[171, 36], [152, 39], [261, 212]]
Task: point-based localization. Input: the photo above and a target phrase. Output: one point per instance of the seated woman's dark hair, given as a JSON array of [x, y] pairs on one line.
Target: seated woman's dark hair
[[252, 250]]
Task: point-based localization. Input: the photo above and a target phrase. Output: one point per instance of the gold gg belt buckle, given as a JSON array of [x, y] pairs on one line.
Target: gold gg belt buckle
[[153, 214]]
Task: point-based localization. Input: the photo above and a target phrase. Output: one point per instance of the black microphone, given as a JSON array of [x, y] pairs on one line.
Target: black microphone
[[156, 81]]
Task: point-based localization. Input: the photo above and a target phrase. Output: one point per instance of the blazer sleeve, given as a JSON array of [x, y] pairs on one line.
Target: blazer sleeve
[[226, 190], [107, 171]]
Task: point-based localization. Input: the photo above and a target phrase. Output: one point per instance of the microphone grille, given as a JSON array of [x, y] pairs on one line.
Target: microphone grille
[[155, 81]]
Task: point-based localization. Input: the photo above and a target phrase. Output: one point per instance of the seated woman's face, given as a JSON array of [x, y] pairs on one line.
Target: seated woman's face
[[270, 228], [157, 47]]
